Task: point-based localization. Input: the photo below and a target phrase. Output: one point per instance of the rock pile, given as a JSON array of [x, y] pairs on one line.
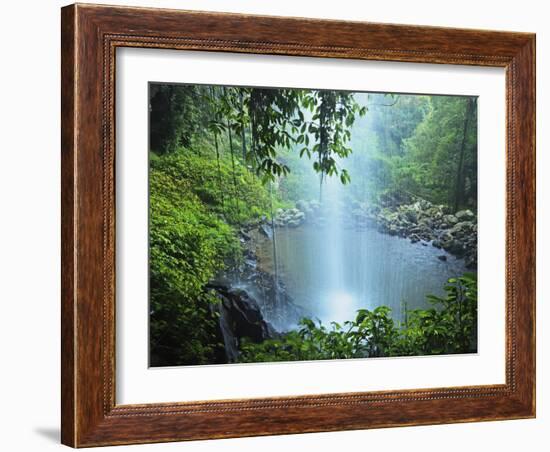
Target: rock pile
[[292, 218], [423, 221], [418, 220]]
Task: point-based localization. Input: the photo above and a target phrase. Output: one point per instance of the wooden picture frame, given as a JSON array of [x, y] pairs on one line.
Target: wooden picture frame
[[90, 36]]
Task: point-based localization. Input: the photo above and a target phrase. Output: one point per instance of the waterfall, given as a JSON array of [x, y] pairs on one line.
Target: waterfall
[[338, 301], [274, 242]]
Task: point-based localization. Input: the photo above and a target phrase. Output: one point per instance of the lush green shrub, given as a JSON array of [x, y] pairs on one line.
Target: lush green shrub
[[193, 236], [236, 196], [187, 247], [449, 327]]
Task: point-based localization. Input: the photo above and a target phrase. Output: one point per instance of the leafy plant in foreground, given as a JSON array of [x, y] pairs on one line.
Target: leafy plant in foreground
[[448, 327]]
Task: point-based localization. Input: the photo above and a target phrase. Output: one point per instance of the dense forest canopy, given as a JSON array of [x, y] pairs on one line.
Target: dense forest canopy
[[425, 145], [225, 157]]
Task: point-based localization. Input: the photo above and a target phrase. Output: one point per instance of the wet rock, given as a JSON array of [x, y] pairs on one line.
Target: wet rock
[[308, 213], [266, 230], [426, 223], [299, 216], [471, 262], [461, 227], [465, 215], [423, 204], [251, 263], [293, 217], [442, 257], [446, 237], [392, 230], [230, 341], [411, 215], [302, 205], [314, 204], [240, 317], [454, 247], [435, 212], [450, 219], [220, 280], [420, 221], [244, 235]]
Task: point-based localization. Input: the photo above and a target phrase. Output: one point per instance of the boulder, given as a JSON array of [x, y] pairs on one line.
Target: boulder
[[245, 236], [266, 230], [462, 226], [450, 219], [411, 215], [314, 204], [302, 205], [426, 222], [471, 261], [422, 205], [241, 314], [414, 238], [300, 216], [465, 215], [454, 247], [420, 221]]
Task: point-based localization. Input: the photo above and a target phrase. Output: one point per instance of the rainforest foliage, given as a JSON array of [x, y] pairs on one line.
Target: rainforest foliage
[[225, 157], [446, 328]]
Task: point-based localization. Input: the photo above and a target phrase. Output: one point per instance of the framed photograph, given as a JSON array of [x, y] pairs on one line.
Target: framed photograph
[[281, 225]]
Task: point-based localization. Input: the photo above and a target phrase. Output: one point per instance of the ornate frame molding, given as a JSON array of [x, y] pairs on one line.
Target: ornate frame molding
[[90, 37]]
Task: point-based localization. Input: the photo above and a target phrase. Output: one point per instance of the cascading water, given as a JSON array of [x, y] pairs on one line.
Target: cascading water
[[336, 300], [274, 242], [330, 265]]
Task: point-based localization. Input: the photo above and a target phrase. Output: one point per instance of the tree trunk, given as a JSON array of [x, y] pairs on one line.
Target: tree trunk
[[220, 184], [322, 143], [243, 139], [459, 181], [232, 164], [252, 146], [230, 136]]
